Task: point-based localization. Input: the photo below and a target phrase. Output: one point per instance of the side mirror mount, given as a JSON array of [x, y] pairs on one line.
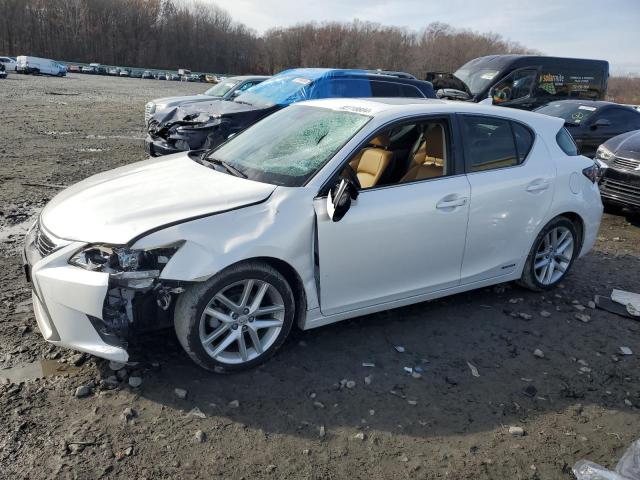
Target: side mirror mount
[[339, 199], [601, 122]]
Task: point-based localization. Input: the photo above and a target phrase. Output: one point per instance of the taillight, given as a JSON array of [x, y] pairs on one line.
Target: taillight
[[592, 173]]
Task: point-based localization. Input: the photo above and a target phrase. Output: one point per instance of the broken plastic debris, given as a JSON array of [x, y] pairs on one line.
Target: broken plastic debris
[[408, 369], [628, 467], [399, 348], [368, 364], [626, 351], [629, 299], [474, 370]]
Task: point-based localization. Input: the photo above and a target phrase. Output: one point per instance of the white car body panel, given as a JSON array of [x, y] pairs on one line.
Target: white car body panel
[[379, 252], [44, 65], [118, 205], [9, 64], [223, 220]]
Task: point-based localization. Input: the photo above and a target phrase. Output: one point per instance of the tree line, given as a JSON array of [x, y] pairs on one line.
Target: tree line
[[171, 34]]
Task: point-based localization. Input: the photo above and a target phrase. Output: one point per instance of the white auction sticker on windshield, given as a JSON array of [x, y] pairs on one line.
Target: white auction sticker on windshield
[[303, 81], [584, 107]]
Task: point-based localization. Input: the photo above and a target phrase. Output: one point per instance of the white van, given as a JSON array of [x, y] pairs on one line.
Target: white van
[[39, 66]]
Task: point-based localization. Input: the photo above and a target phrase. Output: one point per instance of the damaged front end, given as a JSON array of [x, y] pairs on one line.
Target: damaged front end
[[137, 300]]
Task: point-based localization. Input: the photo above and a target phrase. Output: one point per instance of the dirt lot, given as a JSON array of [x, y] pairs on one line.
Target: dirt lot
[[297, 417]]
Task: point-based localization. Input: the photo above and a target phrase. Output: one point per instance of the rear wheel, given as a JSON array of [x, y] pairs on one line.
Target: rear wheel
[[551, 256], [237, 319]]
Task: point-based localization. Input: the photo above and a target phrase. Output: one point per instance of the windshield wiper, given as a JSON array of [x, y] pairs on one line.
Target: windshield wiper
[[215, 161]]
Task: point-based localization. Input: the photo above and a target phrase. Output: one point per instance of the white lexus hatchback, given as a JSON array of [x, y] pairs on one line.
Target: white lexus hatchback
[[323, 211]]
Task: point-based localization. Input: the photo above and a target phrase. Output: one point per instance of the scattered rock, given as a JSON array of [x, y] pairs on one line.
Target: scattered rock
[[583, 363], [135, 382], [82, 391], [579, 307], [626, 351], [545, 314], [368, 379], [322, 433], [585, 369], [78, 359], [128, 414], [412, 402], [538, 353], [372, 412], [318, 404], [530, 391], [591, 304], [200, 436], [350, 384], [115, 366], [628, 403], [416, 375], [403, 458], [359, 436], [399, 348], [516, 431], [128, 451], [181, 393], [583, 317], [270, 468], [306, 451], [196, 412], [234, 403], [525, 316]]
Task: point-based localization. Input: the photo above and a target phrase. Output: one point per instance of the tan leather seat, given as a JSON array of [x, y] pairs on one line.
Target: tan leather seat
[[428, 160], [373, 161]]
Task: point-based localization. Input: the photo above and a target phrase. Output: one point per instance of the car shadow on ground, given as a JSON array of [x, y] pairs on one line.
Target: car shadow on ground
[[494, 331]]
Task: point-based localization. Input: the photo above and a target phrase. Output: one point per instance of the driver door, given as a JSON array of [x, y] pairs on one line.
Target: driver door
[[396, 241]]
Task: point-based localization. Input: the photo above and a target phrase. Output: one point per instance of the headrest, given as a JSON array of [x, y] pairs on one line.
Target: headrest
[[381, 140]]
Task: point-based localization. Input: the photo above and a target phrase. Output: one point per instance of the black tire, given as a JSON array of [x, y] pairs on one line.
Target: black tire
[[191, 304], [528, 279]]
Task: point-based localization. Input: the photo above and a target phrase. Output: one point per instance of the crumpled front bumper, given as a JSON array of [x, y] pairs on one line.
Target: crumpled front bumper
[[64, 299]]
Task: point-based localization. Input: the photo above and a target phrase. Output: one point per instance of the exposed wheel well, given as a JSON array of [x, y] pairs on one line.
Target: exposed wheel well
[[578, 222]]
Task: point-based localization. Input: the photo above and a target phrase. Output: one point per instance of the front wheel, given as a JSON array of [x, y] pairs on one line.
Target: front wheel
[[551, 256], [237, 319]]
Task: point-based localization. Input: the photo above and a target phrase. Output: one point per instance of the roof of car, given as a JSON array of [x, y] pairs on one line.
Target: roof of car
[[248, 77], [393, 106]]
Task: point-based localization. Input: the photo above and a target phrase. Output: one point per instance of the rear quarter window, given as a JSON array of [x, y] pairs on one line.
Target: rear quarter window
[[566, 143], [524, 140]]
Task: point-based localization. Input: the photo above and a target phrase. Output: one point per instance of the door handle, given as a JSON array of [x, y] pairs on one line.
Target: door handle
[[538, 185], [451, 201]]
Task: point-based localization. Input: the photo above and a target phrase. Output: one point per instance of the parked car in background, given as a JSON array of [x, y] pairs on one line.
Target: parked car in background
[[88, 69], [226, 90], [136, 73], [194, 77], [234, 246], [125, 73], [525, 81], [10, 63], [3, 71], [98, 68], [40, 66], [174, 77], [210, 78], [593, 123], [206, 125], [147, 74], [619, 161], [113, 71], [75, 69], [161, 76]]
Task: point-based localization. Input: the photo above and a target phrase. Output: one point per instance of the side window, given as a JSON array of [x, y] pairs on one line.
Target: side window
[[385, 89], [405, 153], [341, 88], [620, 119], [516, 86], [561, 82], [247, 86], [524, 140], [566, 143], [410, 91], [489, 143]]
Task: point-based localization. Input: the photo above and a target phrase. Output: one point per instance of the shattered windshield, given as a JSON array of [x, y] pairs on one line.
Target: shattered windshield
[[572, 113], [290, 146], [279, 90], [221, 89], [476, 79]]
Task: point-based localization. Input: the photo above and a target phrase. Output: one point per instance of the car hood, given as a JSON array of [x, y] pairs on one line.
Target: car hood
[[117, 206], [626, 145], [174, 101], [202, 112]]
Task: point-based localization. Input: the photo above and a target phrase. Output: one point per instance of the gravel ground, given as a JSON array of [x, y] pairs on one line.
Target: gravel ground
[[314, 411]]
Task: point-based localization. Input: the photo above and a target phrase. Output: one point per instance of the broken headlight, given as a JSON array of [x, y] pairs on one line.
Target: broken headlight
[[128, 267]]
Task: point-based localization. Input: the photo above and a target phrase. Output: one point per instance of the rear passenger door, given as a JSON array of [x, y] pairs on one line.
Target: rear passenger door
[[512, 182]]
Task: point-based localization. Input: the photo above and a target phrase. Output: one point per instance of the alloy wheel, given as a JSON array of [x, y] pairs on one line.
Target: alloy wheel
[[554, 255], [241, 321]]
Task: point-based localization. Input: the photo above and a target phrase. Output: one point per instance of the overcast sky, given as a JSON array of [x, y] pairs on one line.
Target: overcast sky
[[608, 30]]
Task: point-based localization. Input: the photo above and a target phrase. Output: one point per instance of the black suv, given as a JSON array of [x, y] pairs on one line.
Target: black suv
[[206, 125]]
